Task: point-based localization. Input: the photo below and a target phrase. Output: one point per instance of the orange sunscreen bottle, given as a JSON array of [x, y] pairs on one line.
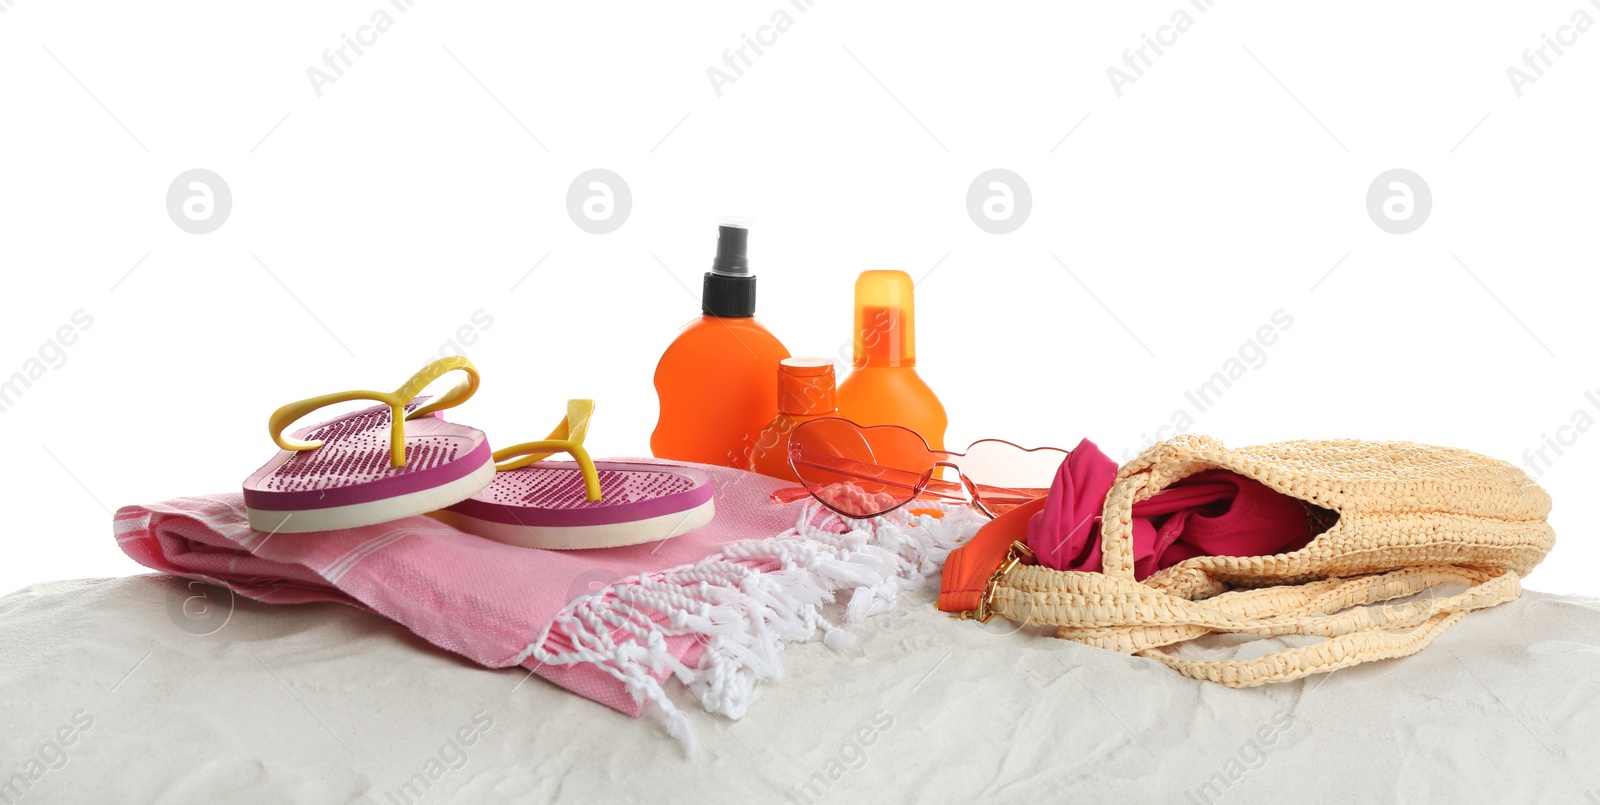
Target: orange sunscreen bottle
[[805, 391], [714, 381], [883, 388]]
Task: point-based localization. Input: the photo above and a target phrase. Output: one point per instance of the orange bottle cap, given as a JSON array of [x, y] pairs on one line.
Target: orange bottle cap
[[806, 386], [885, 320]]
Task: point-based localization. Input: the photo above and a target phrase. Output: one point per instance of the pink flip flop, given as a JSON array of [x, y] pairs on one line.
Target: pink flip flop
[[543, 506], [573, 505], [370, 466]]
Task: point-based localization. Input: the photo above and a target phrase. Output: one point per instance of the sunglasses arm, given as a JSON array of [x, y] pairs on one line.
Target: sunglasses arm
[[790, 494]]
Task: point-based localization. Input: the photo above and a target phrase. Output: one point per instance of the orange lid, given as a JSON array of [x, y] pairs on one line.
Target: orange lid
[[805, 386], [885, 320]]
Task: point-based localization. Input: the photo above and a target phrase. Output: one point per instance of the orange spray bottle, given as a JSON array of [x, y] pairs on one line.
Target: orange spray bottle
[[883, 388], [714, 381]]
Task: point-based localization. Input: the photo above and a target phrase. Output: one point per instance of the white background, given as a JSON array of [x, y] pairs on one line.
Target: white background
[[370, 223]]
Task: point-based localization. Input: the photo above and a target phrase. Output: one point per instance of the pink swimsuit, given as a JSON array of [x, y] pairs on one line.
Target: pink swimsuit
[[1212, 513]]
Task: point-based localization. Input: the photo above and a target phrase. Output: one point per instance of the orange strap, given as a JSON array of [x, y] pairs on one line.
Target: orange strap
[[969, 568]]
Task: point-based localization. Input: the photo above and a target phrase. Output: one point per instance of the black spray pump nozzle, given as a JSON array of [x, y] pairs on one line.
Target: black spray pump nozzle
[[729, 289], [733, 241]]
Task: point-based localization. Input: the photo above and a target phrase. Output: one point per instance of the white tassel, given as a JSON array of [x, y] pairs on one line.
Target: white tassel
[[746, 616]]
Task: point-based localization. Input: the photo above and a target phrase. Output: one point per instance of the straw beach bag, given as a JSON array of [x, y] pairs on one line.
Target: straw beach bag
[[1410, 519]]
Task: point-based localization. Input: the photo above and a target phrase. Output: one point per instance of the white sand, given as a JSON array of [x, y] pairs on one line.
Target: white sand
[[321, 703]]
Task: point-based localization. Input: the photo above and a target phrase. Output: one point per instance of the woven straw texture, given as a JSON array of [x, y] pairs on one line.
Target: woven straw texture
[[1411, 518]]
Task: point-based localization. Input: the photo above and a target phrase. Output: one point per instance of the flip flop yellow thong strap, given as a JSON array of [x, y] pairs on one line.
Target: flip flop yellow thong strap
[[566, 438], [282, 418]]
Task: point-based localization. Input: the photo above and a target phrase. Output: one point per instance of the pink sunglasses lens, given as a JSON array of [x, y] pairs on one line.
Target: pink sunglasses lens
[[992, 462], [858, 472]]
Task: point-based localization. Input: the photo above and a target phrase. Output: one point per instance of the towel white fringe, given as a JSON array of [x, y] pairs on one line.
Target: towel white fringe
[[745, 616]]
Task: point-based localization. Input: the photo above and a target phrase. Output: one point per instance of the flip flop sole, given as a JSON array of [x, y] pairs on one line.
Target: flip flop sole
[[580, 537], [356, 515], [349, 482], [544, 505]]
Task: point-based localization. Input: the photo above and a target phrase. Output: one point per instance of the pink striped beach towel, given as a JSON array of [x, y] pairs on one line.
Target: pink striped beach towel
[[712, 607]]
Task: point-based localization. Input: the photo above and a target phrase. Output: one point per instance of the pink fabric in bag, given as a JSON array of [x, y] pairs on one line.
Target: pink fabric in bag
[[1212, 513], [475, 597]]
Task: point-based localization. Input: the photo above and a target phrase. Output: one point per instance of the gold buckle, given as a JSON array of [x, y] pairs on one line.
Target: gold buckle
[[985, 611]]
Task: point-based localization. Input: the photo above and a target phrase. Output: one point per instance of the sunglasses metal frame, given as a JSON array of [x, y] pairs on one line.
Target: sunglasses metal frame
[[997, 495]]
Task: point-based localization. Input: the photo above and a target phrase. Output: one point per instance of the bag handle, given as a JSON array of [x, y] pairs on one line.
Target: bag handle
[[1395, 639], [1141, 479], [1111, 609], [1116, 526], [1124, 615]]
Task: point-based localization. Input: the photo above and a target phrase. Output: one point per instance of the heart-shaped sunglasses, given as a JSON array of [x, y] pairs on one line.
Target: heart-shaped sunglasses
[[864, 471]]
